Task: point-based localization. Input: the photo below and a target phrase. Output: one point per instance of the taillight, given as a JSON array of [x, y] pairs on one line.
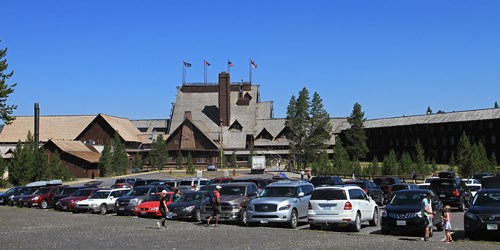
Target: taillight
[[348, 206], [309, 206], [366, 190], [455, 193]]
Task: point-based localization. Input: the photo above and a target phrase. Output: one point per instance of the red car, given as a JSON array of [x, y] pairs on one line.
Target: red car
[[42, 197], [151, 207], [69, 203]]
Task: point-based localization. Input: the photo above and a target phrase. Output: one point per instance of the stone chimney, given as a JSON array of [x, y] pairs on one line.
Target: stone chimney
[[224, 99], [187, 115]]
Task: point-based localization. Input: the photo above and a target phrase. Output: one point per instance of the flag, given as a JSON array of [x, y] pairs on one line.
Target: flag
[[253, 64], [207, 63], [186, 64], [229, 63]]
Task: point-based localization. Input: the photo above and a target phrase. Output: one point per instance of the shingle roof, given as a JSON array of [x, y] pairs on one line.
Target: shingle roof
[[78, 149], [51, 127], [126, 129]]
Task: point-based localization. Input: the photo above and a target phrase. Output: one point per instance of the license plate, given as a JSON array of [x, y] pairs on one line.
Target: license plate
[[492, 226], [327, 208], [64, 207], [442, 195], [264, 221], [143, 213], [401, 223]]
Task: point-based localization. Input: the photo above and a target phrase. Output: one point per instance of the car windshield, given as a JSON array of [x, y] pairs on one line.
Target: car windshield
[[443, 184], [100, 195], [191, 197], [475, 188], [204, 182], [407, 198], [232, 190], [11, 190], [487, 199], [185, 183], [68, 191], [329, 194], [82, 192], [399, 187], [42, 191], [279, 192], [139, 191]]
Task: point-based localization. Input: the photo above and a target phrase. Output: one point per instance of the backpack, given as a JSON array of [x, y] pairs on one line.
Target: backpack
[[211, 198]]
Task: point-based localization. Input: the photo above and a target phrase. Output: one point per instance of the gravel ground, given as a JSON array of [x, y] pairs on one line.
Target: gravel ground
[[24, 228]]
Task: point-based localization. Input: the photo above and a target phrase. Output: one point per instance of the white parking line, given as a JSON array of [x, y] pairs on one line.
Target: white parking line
[[306, 226]]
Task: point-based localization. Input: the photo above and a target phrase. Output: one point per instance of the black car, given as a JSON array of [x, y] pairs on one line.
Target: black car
[[11, 192], [403, 212], [452, 191], [324, 181], [483, 215], [402, 186], [126, 204], [25, 191], [385, 184], [370, 189], [188, 206], [66, 192], [479, 176]]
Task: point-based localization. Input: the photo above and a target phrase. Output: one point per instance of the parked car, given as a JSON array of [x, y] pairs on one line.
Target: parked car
[[211, 167], [370, 189], [402, 186], [480, 176], [323, 181], [126, 204], [145, 182], [482, 217], [220, 180], [42, 197], [386, 183], [471, 181], [451, 191], [281, 202], [122, 185], [66, 192], [447, 174], [24, 191], [102, 201], [260, 182], [346, 206], [189, 206], [423, 186], [151, 206], [191, 182], [234, 198], [131, 181], [69, 203], [403, 212], [11, 192], [473, 188]]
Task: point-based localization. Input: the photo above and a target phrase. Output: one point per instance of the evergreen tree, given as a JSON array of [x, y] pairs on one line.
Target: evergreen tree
[[120, 157], [3, 169], [106, 161], [453, 163], [179, 160], [391, 165], [233, 160], [190, 167], [158, 156], [57, 170], [433, 166], [464, 150], [406, 163], [420, 163], [297, 122], [429, 110], [355, 136], [375, 167], [496, 105], [479, 159], [322, 165], [40, 165], [319, 129], [341, 161], [5, 90], [493, 163], [21, 169]]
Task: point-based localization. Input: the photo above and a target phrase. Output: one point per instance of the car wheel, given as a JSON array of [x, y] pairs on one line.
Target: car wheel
[[197, 216], [374, 221], [44, 204], [294, 220], [243, 220], [103, 209], [357, 223], [386, 231], [461, 208]]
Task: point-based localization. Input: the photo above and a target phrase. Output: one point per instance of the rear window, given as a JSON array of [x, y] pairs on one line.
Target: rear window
[[329, 194], [443, 184], [399, 187], [318, 181]]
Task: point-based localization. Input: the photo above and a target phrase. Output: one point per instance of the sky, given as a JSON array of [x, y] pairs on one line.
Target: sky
[[124, 58]]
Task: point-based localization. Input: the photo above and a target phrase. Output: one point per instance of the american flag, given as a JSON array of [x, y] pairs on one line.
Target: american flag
[[229, 63], [207, 63], [253, 64]]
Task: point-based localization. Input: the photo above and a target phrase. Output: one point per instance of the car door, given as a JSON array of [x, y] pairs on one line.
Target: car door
[[304, 201]]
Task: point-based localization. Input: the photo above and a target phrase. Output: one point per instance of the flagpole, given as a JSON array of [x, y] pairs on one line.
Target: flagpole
[[183, 72], [250, 64], [228, 67], [205, 71]]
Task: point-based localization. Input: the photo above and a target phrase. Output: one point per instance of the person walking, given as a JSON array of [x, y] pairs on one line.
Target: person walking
[[428, 214], [302, 174], [163, 209], [215, 206], [447, 225], [414, 177]]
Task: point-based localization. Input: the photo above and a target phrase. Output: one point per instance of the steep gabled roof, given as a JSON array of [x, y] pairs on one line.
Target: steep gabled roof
[[78, 149], [51, 127], [195, 126], [126, 129]]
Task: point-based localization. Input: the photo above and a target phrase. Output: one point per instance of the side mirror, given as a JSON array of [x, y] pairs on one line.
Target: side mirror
[[301, 194], [111, 197]]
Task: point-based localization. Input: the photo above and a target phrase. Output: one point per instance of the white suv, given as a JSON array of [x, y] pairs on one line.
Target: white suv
[[102, 201], [341, 206]]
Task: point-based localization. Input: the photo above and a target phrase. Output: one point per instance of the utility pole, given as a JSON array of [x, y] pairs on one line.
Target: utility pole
[[221, 150]]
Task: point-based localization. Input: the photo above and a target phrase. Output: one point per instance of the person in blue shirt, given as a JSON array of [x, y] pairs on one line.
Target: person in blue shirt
[[428, 214]]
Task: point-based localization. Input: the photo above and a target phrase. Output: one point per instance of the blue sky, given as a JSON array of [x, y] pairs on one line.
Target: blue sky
[[124, 58]]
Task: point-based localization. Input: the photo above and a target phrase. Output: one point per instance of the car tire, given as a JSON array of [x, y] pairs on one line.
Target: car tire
[[197, 216], [374, 221], [461, 207], [243, 219], [103, 209], [44, 204], [294, 219], [356, 227], [386, 231]]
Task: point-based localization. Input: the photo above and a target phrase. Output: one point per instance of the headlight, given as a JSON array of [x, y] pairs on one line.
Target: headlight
[[384, 213], [11, 197], [286, 207], [190, 208], [133, 202], [72, 202], [250, 208], [471, 216], [153, 208], [93, 204], [235, 206], [35, 198]]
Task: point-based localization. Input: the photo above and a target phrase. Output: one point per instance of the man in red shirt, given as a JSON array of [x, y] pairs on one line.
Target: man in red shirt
[[215, 207]]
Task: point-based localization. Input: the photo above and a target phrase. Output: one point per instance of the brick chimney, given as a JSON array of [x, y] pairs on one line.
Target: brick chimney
[[224, 98]]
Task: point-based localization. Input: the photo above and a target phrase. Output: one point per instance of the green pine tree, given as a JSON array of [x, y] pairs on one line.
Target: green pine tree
[[375, 167], [464, 150], [420, 163], [318, 131], [341, 162], [355, 136], [5, 90], [179, 160], [493, 163], [433, 166], [391, 164], [57, 170], [190, 167], [406, 164], [158, 156], [297, 122], [429, 110], [496, 105], [40, 165], [322, 165], [120, 157], [453, 163], [106, 161], [233, 160], [479, 158]]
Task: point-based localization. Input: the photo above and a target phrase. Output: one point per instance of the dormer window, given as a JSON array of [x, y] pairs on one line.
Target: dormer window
[[236, 125]]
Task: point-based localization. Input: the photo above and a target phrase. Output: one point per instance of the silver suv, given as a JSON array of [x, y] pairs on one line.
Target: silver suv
[[281, 202]]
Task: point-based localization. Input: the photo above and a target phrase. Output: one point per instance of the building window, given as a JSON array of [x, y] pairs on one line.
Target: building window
[[201, 159], [171, 159], [434, 141], [452, 140], [493, 139], [445, 155], [490, 124], [444, 141]]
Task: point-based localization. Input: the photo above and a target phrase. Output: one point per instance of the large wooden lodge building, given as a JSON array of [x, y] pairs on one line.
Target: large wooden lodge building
[[210, 120]]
